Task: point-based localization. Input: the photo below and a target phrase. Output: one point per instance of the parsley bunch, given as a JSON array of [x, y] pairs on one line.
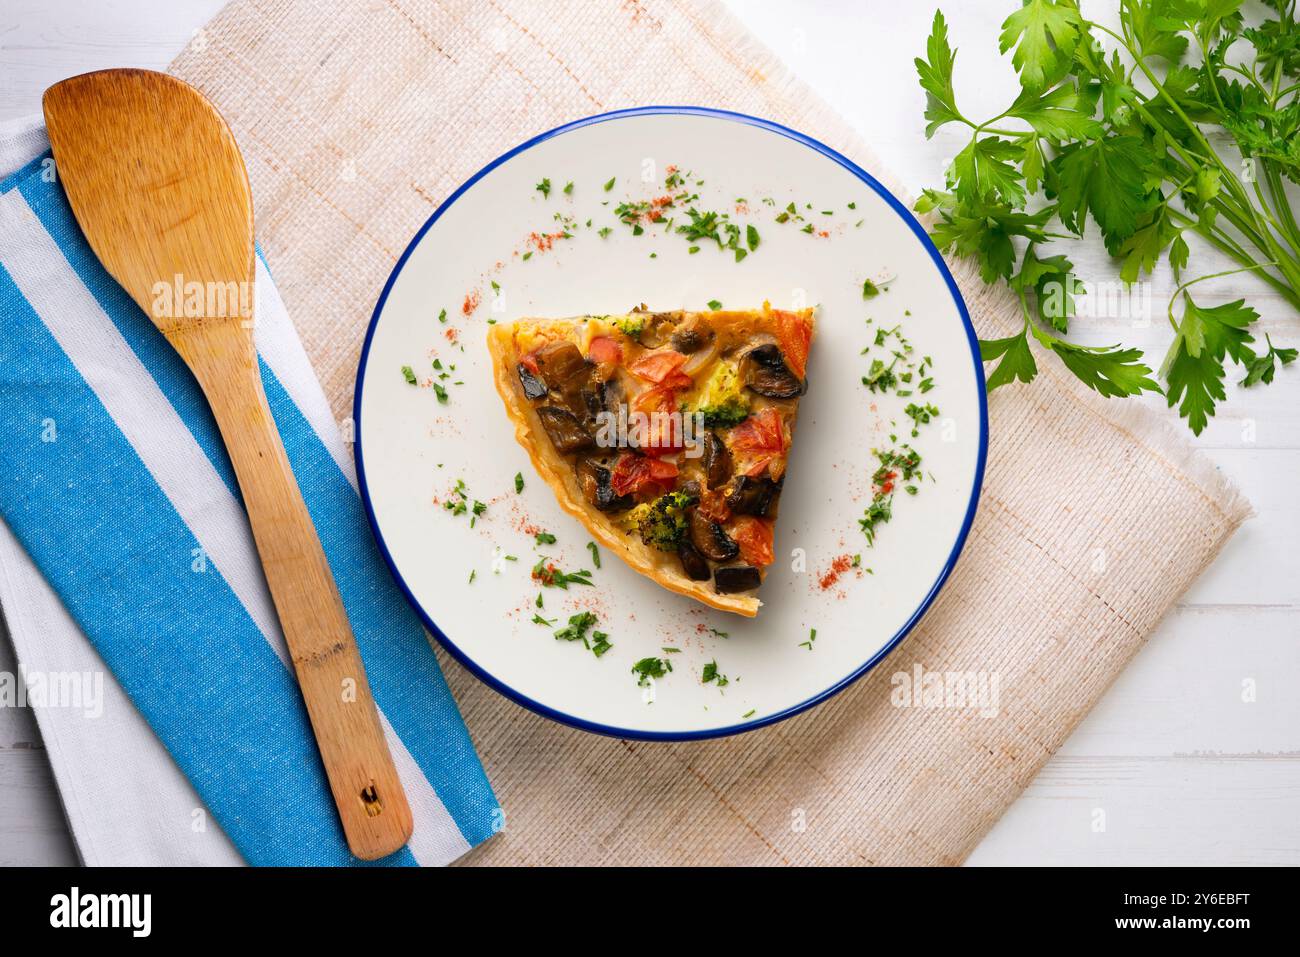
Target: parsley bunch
[[1115, 126]]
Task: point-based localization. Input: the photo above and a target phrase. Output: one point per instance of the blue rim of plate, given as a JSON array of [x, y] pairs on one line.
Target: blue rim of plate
[[632, 733]]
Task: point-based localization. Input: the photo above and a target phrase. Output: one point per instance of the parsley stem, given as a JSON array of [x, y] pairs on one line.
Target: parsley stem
[[1249, 75], [1224, 243], [1280, 202], [1213, 275]]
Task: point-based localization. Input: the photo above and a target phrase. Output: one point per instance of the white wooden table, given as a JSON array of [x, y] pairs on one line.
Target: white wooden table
[[1185, 770]]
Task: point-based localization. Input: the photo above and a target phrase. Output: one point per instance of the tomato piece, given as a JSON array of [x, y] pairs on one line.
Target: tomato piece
[[657, 366], [529, 362], [794, 333], [713, 505], [754, 536], [665, 473], [604, 349], [659, 399], [760, 439], [634, 472], [762, 433]]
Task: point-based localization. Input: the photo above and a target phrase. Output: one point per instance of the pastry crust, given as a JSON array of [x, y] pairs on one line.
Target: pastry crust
[[558, 471]]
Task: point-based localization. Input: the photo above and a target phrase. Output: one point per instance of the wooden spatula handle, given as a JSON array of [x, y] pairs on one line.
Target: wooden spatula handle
[[373, 807]]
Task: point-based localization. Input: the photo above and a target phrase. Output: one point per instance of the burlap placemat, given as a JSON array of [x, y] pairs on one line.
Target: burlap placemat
[[357, 119]]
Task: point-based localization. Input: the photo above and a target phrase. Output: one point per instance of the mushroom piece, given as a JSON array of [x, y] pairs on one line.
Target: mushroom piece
[[565, 372], [691, 336], [734, 578], [559, 362], [566, 432], [534, 388], [717, 460], [765, 372], [753, 496], [600, 397], [658, 328], [686, 341], [693, 563], [710, 539], [593, 479]]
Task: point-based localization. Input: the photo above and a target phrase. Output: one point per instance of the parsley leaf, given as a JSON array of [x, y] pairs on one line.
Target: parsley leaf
[[1194, 365], [936, 78], [1044, 34]]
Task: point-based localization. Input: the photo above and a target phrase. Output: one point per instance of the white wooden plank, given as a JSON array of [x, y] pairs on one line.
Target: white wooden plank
[[1205, 810], [1258, 565], [43, 41], [32, 827], [1210, 680], [17, 725]]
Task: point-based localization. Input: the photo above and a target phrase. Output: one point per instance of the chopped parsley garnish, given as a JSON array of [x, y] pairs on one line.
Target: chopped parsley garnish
[[899, 369], [609, 184], [920, 415], [749, 713], [577, 629], [895, 465], [714, 305], [544, 187], [670, 650], [869, 289], [789, 213], [519, 482], [409, 375], [568, 188], [545, 538], [648, 668], [442, 316], [812, 636], [539, 620], [440, 392], [552, 577], [473, 573], [720, 634], [711, 673], [595, 553], [880, 377], [603, 231], [458, 504]]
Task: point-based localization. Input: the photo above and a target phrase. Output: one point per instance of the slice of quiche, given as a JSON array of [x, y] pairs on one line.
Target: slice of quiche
[[665, 433]]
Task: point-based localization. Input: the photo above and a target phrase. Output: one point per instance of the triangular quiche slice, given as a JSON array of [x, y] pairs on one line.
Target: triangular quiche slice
[[665, 433]]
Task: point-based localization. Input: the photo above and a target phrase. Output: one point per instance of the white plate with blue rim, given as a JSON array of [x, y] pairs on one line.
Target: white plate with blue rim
[[555, 227]]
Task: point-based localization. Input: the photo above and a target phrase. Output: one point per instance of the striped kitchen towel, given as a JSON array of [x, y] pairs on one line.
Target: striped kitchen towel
[[119, 499]]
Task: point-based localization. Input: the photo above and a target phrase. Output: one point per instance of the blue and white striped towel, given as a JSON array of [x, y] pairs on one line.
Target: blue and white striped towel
[[119, 499]]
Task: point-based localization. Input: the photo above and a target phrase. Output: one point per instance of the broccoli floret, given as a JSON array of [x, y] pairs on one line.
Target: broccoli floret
[[722, 400], [662, 523], [630, 326]]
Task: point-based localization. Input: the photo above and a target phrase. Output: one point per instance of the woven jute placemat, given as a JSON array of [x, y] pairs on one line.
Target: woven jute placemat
[[358, 119]]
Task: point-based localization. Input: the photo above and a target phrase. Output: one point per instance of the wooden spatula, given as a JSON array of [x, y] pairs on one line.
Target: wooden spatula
[[159, 187]]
